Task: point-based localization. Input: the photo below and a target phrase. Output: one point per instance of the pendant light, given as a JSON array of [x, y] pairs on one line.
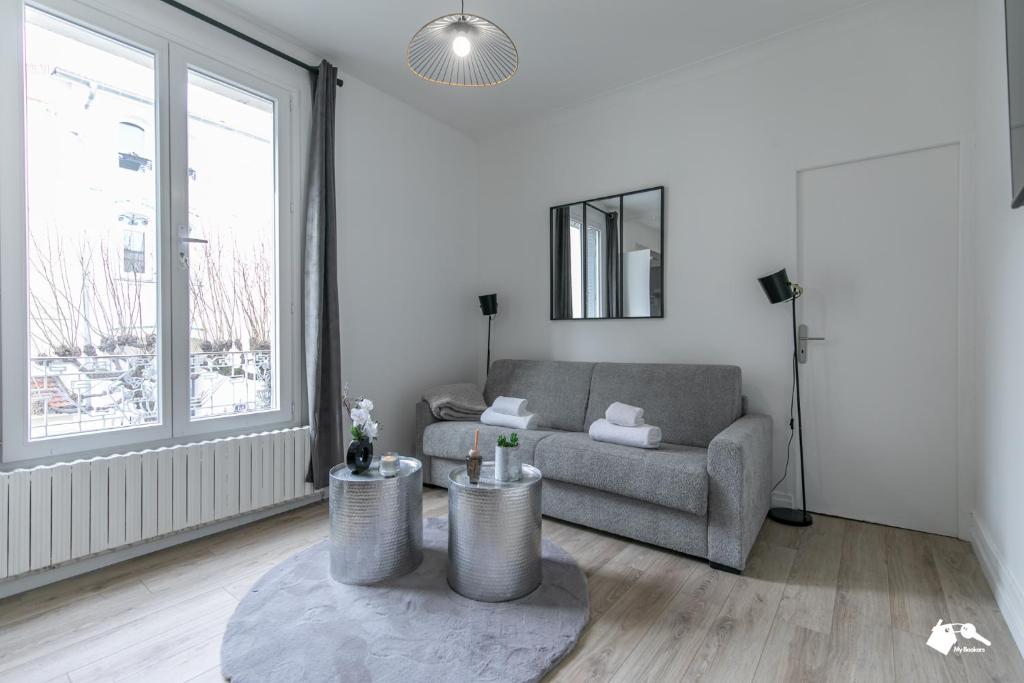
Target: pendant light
[[463, 50]]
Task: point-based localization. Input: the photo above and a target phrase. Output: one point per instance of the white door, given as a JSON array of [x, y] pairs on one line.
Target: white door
[[878, 257]]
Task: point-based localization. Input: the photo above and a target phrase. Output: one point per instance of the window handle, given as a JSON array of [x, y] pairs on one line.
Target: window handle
[[183, 243]]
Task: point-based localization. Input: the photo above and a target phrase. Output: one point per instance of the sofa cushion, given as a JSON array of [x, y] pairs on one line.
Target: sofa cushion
[[690, 403], [454, 439], [673, 476], [555, 390]]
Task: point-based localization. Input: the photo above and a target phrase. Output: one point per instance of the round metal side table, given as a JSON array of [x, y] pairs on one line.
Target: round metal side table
[[376, 523], [494, 535]]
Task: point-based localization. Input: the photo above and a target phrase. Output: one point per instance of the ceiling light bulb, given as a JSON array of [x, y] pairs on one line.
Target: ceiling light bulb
[[461, 46]]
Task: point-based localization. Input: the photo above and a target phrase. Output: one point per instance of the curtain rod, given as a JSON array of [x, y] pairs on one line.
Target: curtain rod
[[238, 34]]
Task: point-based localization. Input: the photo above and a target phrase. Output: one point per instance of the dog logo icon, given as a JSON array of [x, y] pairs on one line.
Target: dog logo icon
[[943, 636]]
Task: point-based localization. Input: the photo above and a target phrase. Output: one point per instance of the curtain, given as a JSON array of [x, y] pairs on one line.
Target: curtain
[[561, 284], [320, 325], [612, 266]]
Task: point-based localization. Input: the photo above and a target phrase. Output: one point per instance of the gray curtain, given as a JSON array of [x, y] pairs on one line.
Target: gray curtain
[[561, 284], [321, 328], [612, 266]]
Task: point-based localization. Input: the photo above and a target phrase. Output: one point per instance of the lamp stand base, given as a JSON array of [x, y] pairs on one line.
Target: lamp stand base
[[790, 517]]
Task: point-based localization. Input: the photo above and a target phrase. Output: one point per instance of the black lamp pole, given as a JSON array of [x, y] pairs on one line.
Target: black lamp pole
[[778, 288], [489, 307], [489, 319], [804, 519]]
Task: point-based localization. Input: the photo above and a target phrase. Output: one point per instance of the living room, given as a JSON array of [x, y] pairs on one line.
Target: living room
[[425, 341]]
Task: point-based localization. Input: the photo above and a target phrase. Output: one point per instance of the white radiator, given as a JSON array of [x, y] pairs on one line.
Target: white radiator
[[57, 513]]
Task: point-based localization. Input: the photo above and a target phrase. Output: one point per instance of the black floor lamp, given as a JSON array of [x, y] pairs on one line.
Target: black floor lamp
[[779, 289], [489, 307]]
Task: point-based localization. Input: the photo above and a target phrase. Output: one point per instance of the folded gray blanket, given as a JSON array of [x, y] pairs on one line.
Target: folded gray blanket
[[462, 402]]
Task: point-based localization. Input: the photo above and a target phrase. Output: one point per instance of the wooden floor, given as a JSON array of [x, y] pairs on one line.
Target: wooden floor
[[840, 600]]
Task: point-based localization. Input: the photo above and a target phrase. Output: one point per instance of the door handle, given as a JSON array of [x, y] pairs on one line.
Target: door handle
[[802, 339]]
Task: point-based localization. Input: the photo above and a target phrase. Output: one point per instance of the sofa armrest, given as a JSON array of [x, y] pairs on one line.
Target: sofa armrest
[[424, 418], [739, 488]]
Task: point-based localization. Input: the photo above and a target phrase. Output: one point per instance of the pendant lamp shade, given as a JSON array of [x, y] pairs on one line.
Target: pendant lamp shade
[[462, 50]]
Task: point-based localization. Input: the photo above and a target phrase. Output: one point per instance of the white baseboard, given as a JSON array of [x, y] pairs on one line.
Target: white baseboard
[[1005, 586], [781, 499], [42, 577]]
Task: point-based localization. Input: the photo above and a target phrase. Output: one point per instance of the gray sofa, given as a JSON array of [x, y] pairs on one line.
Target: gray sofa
[[705, 492]]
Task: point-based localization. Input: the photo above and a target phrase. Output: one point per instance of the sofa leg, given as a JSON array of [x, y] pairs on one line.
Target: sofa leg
[[724, 568]]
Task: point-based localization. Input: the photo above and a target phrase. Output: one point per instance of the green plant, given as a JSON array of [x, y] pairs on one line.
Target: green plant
[[511, 441]]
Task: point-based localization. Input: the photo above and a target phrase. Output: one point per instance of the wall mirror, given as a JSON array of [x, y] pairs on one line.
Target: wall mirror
[[607, 257]]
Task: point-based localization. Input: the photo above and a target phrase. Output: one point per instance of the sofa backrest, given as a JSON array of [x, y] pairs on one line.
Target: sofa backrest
[[690, 403], [556, 391]]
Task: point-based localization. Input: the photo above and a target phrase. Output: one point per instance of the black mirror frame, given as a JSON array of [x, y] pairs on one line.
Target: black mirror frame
[[551, 265]]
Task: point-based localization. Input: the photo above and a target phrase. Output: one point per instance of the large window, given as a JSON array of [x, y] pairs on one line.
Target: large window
[[145, 295], [93, 318], [232, 212]]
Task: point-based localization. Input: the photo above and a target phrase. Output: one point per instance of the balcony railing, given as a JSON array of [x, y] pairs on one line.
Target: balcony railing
[[77, 394], [72, 395], [230, 382]]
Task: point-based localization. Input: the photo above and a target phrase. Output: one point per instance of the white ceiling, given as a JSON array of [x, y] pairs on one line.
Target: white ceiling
[[569, 50]]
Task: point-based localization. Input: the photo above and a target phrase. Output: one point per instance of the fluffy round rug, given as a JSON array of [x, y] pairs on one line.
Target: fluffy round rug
[[298, 624]]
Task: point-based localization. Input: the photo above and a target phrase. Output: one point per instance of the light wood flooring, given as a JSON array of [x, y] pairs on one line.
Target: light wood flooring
[[840, 600]]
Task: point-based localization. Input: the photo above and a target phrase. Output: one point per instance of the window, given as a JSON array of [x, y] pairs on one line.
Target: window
[[595, 272], [133, 147], [93, 326], [150, 264], [231, 279], [576, 266], [134, 252]]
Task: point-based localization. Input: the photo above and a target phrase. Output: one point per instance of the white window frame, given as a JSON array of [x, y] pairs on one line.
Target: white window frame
[[178, 42], [183, 60]]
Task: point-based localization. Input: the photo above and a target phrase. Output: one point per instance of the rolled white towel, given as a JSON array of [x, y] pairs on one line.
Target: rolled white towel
[[644, 436], [495, 419], [624, 415], [510, 406]]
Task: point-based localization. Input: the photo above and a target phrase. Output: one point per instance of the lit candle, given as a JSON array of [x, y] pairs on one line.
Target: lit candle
[[390, 465]]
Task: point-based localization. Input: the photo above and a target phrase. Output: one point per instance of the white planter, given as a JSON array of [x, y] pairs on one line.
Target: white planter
[[507, 464]]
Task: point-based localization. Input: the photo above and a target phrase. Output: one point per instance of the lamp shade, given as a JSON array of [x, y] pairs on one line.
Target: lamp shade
[[462, 50], [489, 304], [777, 287]]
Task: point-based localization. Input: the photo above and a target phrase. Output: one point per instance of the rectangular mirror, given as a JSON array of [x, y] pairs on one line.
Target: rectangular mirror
[[607, 257]]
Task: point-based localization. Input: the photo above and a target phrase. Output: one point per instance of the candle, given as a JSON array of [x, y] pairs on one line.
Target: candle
[[473, 461], [390, 465]]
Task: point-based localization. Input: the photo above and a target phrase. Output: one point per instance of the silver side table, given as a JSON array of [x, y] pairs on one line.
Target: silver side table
[[376, 523], [494, 535]]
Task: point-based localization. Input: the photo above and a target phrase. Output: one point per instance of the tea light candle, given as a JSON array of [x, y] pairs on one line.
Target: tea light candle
[[390, 465]]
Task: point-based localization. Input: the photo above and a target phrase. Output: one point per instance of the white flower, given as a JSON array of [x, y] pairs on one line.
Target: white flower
[[371, 429], [359, 416], [365, 403]]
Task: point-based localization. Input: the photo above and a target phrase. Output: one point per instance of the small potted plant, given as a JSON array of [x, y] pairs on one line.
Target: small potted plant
[[507, 465], [364, 430]]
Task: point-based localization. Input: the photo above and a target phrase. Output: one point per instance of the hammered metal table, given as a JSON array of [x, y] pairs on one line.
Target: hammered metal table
[[376, 523], [494, 535]]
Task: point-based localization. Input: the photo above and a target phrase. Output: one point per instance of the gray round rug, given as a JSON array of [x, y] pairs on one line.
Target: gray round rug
[[298, 624]]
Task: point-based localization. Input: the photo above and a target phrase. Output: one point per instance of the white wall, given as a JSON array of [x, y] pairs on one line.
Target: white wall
[[726, 137], [406, 212], [1000, 330]]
